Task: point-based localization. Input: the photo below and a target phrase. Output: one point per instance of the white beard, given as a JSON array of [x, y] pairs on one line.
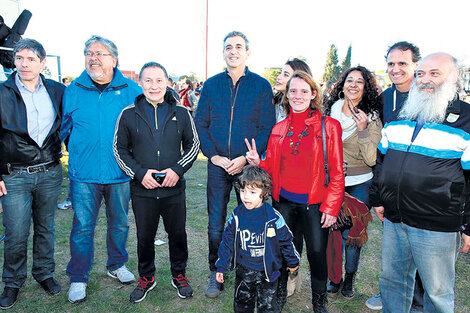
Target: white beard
[[428, 107]]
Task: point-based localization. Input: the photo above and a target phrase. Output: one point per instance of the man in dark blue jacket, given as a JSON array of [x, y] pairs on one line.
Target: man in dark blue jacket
[[234, 105], [30, 170]]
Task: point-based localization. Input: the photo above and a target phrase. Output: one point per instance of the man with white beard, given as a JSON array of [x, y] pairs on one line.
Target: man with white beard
[[420, 189]]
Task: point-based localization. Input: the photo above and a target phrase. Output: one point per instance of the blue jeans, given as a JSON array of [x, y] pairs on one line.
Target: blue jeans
[[407, 249], [352, 253], [86, 199], [29, 196], [219, 186]]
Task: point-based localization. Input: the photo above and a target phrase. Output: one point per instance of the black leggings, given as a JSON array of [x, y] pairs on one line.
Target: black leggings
[[304, 221]]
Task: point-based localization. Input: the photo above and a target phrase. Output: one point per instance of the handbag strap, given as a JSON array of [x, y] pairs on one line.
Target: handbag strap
[[325, 155]]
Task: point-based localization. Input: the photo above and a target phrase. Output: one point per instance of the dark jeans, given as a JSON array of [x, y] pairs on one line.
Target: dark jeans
[[251, 288], [219, 186], [316, 238], [86, 199], [352, 253], [29, 196], [147, 212]]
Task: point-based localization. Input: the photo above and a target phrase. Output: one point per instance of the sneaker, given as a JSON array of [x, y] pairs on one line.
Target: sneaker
[[77, 292], [8, 297], [375, 303], [123, 274], [213, 288], [144, 285], [66, 205], [181, 283]]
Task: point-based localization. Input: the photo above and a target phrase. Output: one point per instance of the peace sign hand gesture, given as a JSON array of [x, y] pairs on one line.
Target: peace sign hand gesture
[[252, 155]]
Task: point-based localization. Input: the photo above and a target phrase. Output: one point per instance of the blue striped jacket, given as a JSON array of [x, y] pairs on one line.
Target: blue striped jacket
[[423, 183]]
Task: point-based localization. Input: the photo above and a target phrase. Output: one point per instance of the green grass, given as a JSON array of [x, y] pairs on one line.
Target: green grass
[[107, 295]]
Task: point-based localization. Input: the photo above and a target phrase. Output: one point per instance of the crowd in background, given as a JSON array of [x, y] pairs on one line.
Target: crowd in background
[[325, 158]]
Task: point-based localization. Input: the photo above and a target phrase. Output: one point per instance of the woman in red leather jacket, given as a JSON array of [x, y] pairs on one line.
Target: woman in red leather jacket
[[295, 161]]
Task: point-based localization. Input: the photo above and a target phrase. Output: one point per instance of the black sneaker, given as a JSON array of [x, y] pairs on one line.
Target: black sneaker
[[144, 285], [8, 298], [181, 283]]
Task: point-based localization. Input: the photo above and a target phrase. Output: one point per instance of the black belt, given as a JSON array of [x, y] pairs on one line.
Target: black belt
[[38, 168]]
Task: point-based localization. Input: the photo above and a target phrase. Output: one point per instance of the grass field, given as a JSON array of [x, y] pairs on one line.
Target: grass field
[[107, 295]]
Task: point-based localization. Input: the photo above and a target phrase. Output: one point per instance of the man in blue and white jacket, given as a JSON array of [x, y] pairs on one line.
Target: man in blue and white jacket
[[420, 189], [92, 104]]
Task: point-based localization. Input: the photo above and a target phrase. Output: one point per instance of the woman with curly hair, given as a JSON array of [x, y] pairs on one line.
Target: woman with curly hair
[[289, 68], [356, 104]]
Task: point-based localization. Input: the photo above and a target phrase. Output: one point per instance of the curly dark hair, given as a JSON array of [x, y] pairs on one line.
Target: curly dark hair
[[371, 102], [256, 177]]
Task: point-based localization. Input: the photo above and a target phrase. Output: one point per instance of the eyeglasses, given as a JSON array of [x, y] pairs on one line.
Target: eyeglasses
[[90, 54]]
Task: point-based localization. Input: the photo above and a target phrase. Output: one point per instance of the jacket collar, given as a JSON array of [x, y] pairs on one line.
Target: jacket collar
[[270, 214], [10, 83], [118, 80], [140, 101], [454, 105], [247, 72]]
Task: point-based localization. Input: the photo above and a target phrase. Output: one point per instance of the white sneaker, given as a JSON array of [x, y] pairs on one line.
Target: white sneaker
[[66, 205], [375, 303], [123, 274], [77, 292]]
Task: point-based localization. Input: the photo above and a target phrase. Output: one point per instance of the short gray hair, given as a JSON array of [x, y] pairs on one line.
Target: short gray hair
[[105, 42], [32, 45], [236, 33]]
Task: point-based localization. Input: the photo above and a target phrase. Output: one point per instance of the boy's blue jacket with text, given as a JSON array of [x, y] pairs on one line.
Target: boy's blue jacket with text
[[276, 247]]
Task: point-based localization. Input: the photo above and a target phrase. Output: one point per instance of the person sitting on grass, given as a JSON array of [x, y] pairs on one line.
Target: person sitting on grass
[[257, 238]]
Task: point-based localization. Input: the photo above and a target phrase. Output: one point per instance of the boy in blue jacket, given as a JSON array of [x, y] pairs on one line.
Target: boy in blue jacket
[[257, 238]]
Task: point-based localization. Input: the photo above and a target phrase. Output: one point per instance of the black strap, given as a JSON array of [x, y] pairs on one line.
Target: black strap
[[325, 155]]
